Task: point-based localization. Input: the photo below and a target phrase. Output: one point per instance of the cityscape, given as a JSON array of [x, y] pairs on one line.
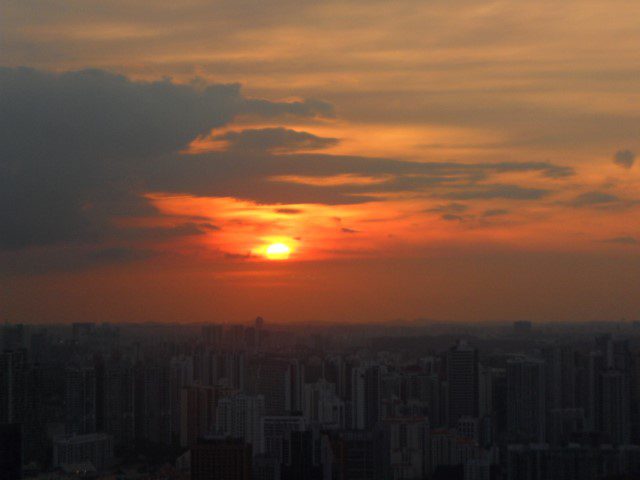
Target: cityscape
[[266, 401], [319, 240]]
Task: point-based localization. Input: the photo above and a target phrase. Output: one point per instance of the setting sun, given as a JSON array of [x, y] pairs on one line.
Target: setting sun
[[278, 251]]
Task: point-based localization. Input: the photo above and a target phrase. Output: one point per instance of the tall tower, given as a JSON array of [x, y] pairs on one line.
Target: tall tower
[[463, 377], [366, 397], [616, 416], [118, 387], [526, 400], [13, 375], [80, 400]]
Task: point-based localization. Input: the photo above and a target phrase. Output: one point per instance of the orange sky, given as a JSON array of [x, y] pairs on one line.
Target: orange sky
[[448, 160]]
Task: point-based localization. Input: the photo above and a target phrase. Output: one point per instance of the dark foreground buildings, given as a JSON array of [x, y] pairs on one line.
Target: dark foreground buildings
[[221, 459], [320, 403]]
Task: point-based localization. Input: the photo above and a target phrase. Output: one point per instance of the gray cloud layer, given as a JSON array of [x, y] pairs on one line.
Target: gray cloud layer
[[77, 149]]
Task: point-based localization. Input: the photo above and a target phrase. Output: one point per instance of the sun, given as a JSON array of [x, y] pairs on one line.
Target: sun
[[278, 251]]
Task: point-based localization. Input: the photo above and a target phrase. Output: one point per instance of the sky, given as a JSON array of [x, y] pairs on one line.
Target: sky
[[457, 161]]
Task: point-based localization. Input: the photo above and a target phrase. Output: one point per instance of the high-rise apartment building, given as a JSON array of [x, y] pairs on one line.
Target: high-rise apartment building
[[13, 376], [463, 378], [526, 400], [80, 400], [238, 416]]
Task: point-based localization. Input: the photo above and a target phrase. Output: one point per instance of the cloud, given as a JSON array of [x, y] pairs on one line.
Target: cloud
[[349, 230], [274, 139], [495, 212], [80, 148], [449, 217], [627, 240], [595, 199], [449, 208], [504, 191], [624, 158], [163, 233], [237, 256], [95, 112], [77, 148], [119, 255], [289, 211], [309, 177]]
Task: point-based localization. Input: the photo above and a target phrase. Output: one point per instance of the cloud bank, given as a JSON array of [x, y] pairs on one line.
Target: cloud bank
[[82, 151]]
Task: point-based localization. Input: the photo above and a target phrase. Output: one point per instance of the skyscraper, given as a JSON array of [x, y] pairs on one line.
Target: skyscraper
[[238, 416], [609, 389], [197, 413], [153, 401], [560, 373], [526, 400], [280, 380], [615, 409], [274, 430], [322, 406], [118, 406], [80, 400], [13, 376], [463, 378], [366, 397]]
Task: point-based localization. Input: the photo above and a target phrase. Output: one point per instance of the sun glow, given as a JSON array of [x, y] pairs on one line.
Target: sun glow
[[278, 251]]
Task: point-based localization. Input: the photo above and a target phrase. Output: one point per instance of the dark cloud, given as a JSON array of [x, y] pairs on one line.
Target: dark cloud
[[120, 255], [624, 158], [495, 212], [504, 191], [450, 217], [70, 258], [164, 233], [238, 256], [305, 108], [349, 230], [243, 175], [623, 240], [275, 139], [595, 199], [289, 211], [449, 208], [77, 148]]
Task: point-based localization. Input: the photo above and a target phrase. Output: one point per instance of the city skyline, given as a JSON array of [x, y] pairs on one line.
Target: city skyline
[[274, 402]]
